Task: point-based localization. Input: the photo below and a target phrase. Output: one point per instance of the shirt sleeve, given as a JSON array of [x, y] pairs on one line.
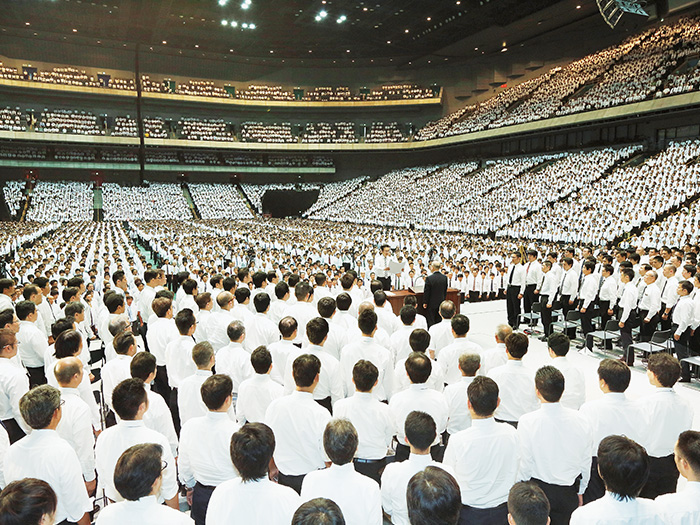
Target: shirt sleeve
[[169, 489], [73, 494], [183, 461]]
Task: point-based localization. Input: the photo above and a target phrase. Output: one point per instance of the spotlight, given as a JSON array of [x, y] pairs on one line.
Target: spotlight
[[251, 26], [318, 18], [323, 14], [341, 19], [234, 23], [223, 2], [244, 25], [224, 22]]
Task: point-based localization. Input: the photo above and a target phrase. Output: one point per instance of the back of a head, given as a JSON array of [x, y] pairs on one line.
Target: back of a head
[[28, 501], [261, 359], [326, 307], [470, 364], [127, 397], [281, 289], [340, 441], [318, 511], [460, 325], [68, 344], [242, 294], [261, 302], [118, 324], [379, 298], [39, 405], [433, 498], [251, 450], [142, 365], [559, 342], [137, 469], [343, 301], [407, 315], [302, 290], [123, 342], [305, 369], [367, 321], [317, 330], [517, 344], [549, 382], [688, 449], [528, 504], [287, 326], [623, 465], [420, 430], [216, 390], [235, 331], [665, 367], [616, 374], [161, 306], [447, 309], [418, 367], [202, 353], [419, 340], [364, 375], [483, 396]]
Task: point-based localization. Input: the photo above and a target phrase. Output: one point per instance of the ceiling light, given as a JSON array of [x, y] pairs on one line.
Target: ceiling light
[[388, 41], [245, 5], [26, 23], [405, 30], [428, 19], [164, 42], [244, 25], [578, 7], [75, 30], [234, 23], [323, 14], [251, 26], [224, 22], [223, 2], [318, 18]]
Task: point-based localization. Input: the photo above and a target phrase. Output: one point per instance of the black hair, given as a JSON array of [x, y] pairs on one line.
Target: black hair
[[365, 375], [418, 367], [305, 369], [483, 396], [127, 397], [420, 429], [616, 374], [251, 450], [623, 465], [137, 469], [433, 498], [26, 502], [261, 359], [317, 330], [215, 390], [549, 382]]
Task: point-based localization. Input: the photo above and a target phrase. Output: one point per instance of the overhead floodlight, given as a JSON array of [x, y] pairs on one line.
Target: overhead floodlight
[[244, 25], [245, 4], [251, 26], [223, 2], [323, 14], [318, 18], [224, 22], [341, 19], [234, 23]]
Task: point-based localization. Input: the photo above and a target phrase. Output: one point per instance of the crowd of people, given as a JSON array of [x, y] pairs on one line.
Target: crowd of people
[[201, 88], [332, 192], [60, 201], [150, 201], [17, 151], [75, 154], [219, 201], [13, 191], [260, 132], [262, 92], [400, 92], [205, 129], [12, 119], [119, 155], [329, 133], [384, 132], [68, 121], [330, 94]]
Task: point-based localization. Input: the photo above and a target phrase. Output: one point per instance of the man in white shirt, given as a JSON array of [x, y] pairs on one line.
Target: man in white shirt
[[382, 263], [219, 321], [533, 276], [282, 349], [649, 306], [367, 348], [357, 496], [14, 383], [575, 387], [260, 330], [420, 433], [683, 507], [138, 476], [484, 457], [178, 357], [371, 418], [666, 415], [418, 341], [628, 313], [441, 333], [75, 425], [7, 290], [337, 333], [204, 461], [555, 447], [189, 397], [303, 310], [587, 294], [233, 360], [130, 402], [32, 342], [611, 414], [400, 348], [162, 331], [515, 290], [44, 455], [257, 392], [418, 397], [458, 417], [515, 382], [623, 466], [298, 423], [496, 356], [118, 369], [385, 318], [669, 295], [448, 359], [683, 322], [252, 499]]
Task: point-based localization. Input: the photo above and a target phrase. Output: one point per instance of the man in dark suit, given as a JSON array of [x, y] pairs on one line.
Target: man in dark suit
[[434, 293]]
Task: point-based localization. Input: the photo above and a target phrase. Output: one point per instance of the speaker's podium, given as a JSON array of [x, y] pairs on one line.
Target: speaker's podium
[[396, 299]]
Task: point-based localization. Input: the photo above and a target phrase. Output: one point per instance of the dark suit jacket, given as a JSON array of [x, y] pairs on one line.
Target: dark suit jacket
[[435, 290]]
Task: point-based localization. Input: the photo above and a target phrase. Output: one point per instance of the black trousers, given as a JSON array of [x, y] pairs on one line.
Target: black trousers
[[432, 316], [682, 349], [565, 306], [325, 403], [14, 431], [596, 487], [529, 297], [493, 516], [546, 315], [36, 376], [174, 410], [474, 296], [293, 482], [626, 336], [665, 323], [200, 502], [160, 384], [386, 283], [663, 477], [587, 319], [603, 307], [646, 330], [563, 501], [372, 468], [513, 306]]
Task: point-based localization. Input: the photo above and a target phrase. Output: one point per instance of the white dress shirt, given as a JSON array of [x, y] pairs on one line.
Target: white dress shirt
[[574, 383], [14, 383], [418, 397], [112, 443], [148, 294], [330, 383], [160, 333], [589, 290], [76, 428], [4, 445], [533, 273], [436, 380], [234, 361], [178, 360], [669, 292], [258, 502], [493, 358], [217, 329], [337, 338], [608, 510], [302, 313], [367, 348], [569, 284], [516, 388], [608, 292], [485, 459], [651, 300], [372, 420], [400, 347], [555, 446], [665, 416], [683, 314], [254, 396], [612, 414], [394, 484], [449, 357], [145, 511], [458, 416], [357, 495], [280, 352], [515, 276], [260, 331], [441, 335], [189, 396], [114, 372], [298, 423], [44, 455], [682, 508], [205, 450], [32, 344], [159, 418]]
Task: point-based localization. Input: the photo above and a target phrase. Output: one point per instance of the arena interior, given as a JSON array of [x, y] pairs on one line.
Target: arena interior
[[323, 262]]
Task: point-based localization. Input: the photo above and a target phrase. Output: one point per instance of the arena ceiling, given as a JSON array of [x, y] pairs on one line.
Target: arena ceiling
[[395, 31]]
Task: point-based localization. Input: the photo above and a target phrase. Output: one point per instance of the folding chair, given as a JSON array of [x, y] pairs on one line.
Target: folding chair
[[569, 325], [610, 332], [659, 343]]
